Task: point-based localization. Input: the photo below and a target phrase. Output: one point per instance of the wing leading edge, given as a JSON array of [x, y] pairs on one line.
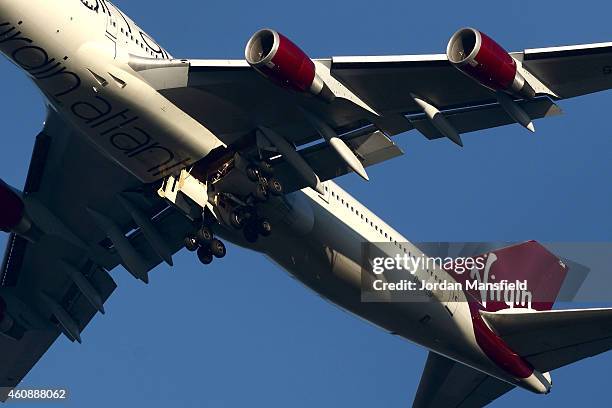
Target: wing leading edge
[[393, 94]]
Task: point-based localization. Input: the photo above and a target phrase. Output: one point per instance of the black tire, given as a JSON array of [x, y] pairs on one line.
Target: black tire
[[237, 219], [250, 234], [218, 248], [252, 173], [191, 243], [204, 235], [205, 255], [264, 227], [275, 187], [261, 194]]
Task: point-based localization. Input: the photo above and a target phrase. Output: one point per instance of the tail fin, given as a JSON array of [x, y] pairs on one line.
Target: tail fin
[[555, 338], [539, 273]]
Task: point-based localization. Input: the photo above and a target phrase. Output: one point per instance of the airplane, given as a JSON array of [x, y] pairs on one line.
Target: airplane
[[188, 153]]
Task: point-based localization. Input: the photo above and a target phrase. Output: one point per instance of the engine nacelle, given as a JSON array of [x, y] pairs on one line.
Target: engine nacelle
[[280, 60], [13, 215], [480, 57], [13, 208]]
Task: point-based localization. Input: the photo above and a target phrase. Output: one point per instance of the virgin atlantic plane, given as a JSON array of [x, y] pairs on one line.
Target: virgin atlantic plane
[[188, 153]]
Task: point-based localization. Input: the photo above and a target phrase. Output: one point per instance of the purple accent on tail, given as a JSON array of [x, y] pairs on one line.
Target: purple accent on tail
[[496, 348], [530, 262]]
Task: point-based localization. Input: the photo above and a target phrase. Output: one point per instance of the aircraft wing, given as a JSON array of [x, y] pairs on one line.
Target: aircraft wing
[[232, 99], [390, 95], [448, 384], [555, 338], [58, 284]]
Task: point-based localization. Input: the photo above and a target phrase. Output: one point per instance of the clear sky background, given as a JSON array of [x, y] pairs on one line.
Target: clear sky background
[[241, 332]]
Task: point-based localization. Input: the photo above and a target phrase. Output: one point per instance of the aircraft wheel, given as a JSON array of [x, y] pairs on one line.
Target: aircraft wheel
[[265, 227], [261, 194], [275, 187], [204, 235], [252, 173], [191, 243], [205, 255], [218, 248]]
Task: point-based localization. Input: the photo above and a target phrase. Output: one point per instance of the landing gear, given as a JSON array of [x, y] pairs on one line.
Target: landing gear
[[205, 244], [205, 255], [191, 243], [261, 193], [238, 219], [262, 173], [252, 173], [264, 227], [204, 235], [255, 228], [217, 248], [275, 187]]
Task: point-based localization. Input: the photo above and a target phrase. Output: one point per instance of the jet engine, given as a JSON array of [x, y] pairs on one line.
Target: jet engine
[[277, 58], [13, 216], [481, 58], [13, 209]]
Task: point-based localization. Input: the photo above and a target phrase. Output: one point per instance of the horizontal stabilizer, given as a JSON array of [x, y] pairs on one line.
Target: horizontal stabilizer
[[555, 338]]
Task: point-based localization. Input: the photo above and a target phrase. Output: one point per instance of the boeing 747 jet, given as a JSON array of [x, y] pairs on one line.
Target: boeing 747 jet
[[144, 154]]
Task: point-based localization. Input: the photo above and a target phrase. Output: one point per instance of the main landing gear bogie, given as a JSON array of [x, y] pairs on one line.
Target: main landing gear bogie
[[206, 246], [262, 174], [252, 226], [256, 228]]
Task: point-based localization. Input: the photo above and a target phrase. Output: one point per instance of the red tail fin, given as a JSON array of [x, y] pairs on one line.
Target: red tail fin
[[530, 263]]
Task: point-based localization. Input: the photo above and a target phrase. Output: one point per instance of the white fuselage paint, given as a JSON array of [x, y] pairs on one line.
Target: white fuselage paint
[[327, 258], [76, 51]]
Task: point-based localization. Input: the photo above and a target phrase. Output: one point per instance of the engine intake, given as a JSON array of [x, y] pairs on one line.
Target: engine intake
[[480, 57], [280, 60]]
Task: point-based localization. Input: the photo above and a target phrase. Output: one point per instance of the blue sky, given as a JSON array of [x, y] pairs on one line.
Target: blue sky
[[241, 332]]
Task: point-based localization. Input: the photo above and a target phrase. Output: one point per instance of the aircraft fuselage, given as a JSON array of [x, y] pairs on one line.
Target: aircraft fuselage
[[78, 52]]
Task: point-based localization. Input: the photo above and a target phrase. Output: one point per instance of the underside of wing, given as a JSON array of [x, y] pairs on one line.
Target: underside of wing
[[438, 95], [574, 70], [83, 208]]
